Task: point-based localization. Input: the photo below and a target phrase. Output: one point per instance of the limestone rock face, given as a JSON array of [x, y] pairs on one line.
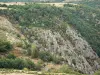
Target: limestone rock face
[[70, 46], [8, 31], [73, 48]]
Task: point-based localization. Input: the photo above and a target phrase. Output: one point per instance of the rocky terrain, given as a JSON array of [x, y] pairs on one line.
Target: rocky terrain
[[73, 48], [50, 33]]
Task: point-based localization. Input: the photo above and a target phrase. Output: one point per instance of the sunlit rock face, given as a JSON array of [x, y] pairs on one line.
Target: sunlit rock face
[[71, 46]]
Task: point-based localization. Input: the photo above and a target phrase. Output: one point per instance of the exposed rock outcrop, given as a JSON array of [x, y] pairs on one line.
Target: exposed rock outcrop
[[73, 48]]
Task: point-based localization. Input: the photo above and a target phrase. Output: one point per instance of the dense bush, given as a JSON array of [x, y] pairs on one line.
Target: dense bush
[[30, 65], [11, 56], [5, 46], [16, 63], [34, 51], [3, 5], [45, 56]]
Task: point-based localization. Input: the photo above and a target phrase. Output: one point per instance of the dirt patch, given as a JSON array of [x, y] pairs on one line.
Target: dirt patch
[[15, 74], [3, 8], [13, 3]]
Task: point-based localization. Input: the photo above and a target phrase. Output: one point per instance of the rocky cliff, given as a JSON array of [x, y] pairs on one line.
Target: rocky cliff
[[71, 46]]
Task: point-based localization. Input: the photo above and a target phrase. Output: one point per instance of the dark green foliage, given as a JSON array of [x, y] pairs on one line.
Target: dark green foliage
[[30, 65], [11, 56], [82, 19], [44, 19], [45, 56], [3, 5], [5, 46], [16, 63], [92, 3]]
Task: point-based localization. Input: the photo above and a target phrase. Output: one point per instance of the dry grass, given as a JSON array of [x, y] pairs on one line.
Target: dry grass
[[13, 3], [3, 8], [17, 73], [21, 72], [58, 4]]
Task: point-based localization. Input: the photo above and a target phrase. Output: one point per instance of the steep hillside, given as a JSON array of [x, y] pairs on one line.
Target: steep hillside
[[70, 33]]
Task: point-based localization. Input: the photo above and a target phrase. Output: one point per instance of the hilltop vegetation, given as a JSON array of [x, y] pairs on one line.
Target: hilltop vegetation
[[91, 3]]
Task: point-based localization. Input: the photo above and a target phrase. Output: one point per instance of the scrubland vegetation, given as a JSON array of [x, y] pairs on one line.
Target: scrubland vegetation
[[83, 17]]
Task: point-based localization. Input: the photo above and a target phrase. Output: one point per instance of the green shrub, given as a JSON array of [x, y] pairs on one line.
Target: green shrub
[[30, 65], [45, 56], [34, 51], [16, 63], [57, 60], [5, 46], [11, 56]]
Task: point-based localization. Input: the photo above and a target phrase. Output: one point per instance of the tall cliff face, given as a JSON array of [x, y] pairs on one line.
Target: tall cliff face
[[72, 47]]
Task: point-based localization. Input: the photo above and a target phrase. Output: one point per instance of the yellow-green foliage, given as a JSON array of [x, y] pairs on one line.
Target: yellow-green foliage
[[68, 70], [97, 73], [25, 69], [34, 51]]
